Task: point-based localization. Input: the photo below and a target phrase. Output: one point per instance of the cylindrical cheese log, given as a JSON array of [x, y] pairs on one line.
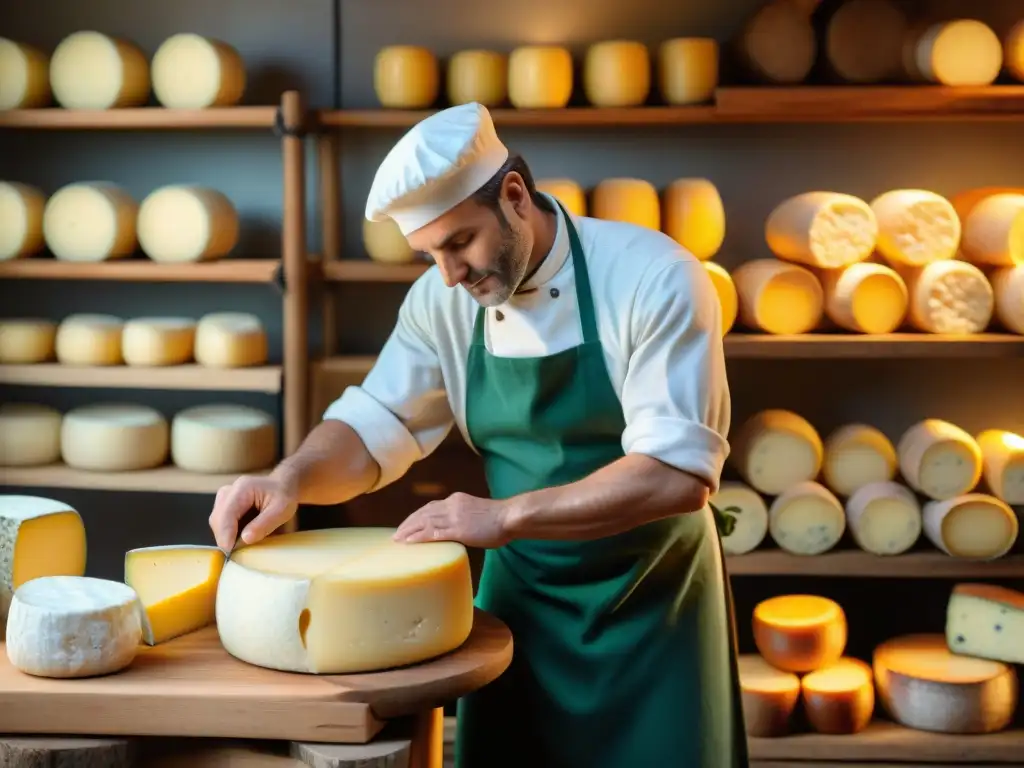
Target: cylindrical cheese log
[[114, 437], [775, 449], [85, 339], [688, 70], [726, 290], [540, 77], [29, 435], [694, 216], [915, 227], [959, 53], [865, 297], [190, 71], [221, 439], [230, 340], [822, 229], [856, 455], [840, 698], [769, 696], [384, 242], [90, 222], [24, 76], [975, 526], [1008, 292], [617, 73], [778, 297], [567, 192], [150, 341], [861, 41], [777, 44], [925, 686], [480, 76], [90, 70], [27, 340], [993, 231], [800, 633], [806, 519], [81, 752], [406, 77], [749, 515], [965, 200], [1003, 464], [21, 219], [938, 459], [633, 201], [181, 223], [884, 518], [949, 297], [1013, 51]]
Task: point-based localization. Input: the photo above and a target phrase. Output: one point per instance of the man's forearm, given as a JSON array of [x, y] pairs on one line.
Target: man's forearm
[[629, 492], [330, 467]]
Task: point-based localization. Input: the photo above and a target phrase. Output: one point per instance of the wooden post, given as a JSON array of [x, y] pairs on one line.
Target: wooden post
[[331, 219], [428, 740]]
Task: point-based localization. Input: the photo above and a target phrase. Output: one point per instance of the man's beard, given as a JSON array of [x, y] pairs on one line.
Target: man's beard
[[508, 269]]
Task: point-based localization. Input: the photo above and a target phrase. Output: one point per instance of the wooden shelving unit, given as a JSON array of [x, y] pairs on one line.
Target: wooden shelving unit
[[264, 378], [139, 270], [160, 480]]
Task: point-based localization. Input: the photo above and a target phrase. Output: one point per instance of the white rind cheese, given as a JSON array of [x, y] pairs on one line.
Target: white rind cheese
[[822, 229], [769, 696], [158, 341], [25, 341], [114, 437], [1008, 288], [806, 519], [21, 219], [840, 698], [916, 227], [993, 231], [938, 459], [89, 70], [89, 340], [1003, 464], [222, 439], [778, 297], [343, 601], [688, 70], [694, 216], [961, 52], [775, 449], [865, 297], [633, 201], [986, 621], [73, 626], [856, 455], [884, 518], [29, 435], [950, 296], [180, 223], [617, 73], [725, 289], [194, 72], [90, 222], [975, 526], [749, 513], [24, 76], [230, 340], [799, 633]]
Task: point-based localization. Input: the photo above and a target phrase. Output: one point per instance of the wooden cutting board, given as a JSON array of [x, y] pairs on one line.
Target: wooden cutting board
[[191, 686]]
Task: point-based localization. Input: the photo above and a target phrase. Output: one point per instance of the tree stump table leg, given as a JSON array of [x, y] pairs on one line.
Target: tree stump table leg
[[48, 752], [428, 740]]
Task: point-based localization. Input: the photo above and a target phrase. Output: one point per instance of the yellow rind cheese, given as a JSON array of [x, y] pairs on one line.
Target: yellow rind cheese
[[778, 297], [688, 70], [775, 449], [158, 341], [90, 70], [27, 340], [29, 435], [769, 696], [726, 291], [856, 455], [90, 222], [21, 220], [840, 698], [1008, 292], [822, 229], [975, 525], [993, 231], [617, 73], [800, 633], [1013, 51], [230, 340], [959, 52], [1002, 454], [190, 71], [939, 459], [385, 243], [884, 518], [633, 201], [406, 77], [24, 76], [693, 215], [180, 223], [865, 297], [540, 77], [567, 192], [478, 75], [85, 339], [806, 519]]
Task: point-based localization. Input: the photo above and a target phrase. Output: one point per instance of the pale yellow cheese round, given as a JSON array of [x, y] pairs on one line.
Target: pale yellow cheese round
[[158, 341], [478, 75], [916, 227], [89, 339], [822, 229], [190, 71], [884, 518], [688, 70], [1003, 464], [1013, 51], [384, 242], [939, 459], [406, 77], [568, 192], [633, 201], [230, 340], [778, 297], [617, 73], [223, 439], [24, 76], [180, 223], [839, 699], [90, 222], [769, 696], [694, 216], [865, 297], [806, 519], [114, 437], [993, 231], [90, 70], [800, 633], [726, 290], [540, 77], [1008, 291], [962, 52], [775, 449], [856, 455], [27, 340], [21, 220], [29, 435], [974, 525], [949, 296], [749, 513]]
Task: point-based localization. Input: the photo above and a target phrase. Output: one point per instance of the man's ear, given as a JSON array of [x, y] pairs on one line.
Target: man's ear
[[514, 190]]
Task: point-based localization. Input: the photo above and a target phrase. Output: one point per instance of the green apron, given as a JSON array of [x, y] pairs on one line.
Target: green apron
[[625, 650]]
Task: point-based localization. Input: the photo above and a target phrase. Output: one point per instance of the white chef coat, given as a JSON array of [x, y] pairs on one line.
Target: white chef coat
[[658, 319]]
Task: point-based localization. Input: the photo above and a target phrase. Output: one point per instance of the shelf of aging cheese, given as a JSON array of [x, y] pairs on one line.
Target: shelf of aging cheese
[[140, 118], [160, 480], [141, 269]]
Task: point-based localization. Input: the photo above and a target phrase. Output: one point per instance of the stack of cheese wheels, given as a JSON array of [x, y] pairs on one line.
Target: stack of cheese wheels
[[857, 455], [21, 218], [986, 621], [406, 77], [688, 70], [775, 449], [778, 297], [230, 340], [861, 41], [748, 512], [822, 229], [24, 76], [29, 435], [992, 220], [384, 242], [633, 201], [693, 215], [89, 339], [617, 73], [90, 70], [114, 437], [839, 698], [1002, 454], [1008, 291], [777, 44], [158, 341], [769, 696], [27, 340], [90, 222], [222, 439], [343, 601], [540, 77], [181, 223], [568, 192], [478, 75], [194, 72], [725, 288], [958, 52]]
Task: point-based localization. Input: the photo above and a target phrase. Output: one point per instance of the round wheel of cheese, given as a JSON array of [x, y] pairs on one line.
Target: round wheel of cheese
[[862, 40], [822, 229], [727, 296], [1013, 51], [884, 518], [230, 340], [1008, 293], [90, 222], [1003, 464], [114, 437], [688, 70], [857, 455], [406, 77], [480, 76], [865, 297], [385, 243], [89, 340], [21, 220], [748, 513], [916, 227], [806, 519], [993, 231], [194, 72], [29, 435], [158, 341], [89, 70], [633, 201], [840, 698], [778, 297], [24, 76], [938, 459], [180, 223], [540, 77], [568, 193], [777, 44], [222, 439], [775, 449], [25, 341], [975, 526], [694, 216], [769, 696], [949, 296], [617, 73], [800, 633], [962, 52], [46, 751]]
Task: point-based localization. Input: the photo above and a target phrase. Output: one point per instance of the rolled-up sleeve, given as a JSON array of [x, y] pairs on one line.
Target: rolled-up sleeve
[[401, 410], [675, 395]]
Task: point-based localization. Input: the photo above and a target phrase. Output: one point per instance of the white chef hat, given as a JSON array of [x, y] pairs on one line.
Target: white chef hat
[[440, 162]]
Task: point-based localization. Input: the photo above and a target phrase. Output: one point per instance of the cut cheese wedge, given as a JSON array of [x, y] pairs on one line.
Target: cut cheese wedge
[[567, 192], [857, 455], [993, 231], [725, 289], [949, 296], [769, 696], [916, 227], [749, 515], [694, 216], [777, 44], [29, 435], [384, 242], [861, 41], [961, 52], [89, 70], [778, 297], [822, 229], [26, 340], [181, 223], [688, 70], [865, 297], [21, 219], [156, 341], [86, 339], [177, 586], [938, 459], [223, 439], [1003, 464], [478, 76], [806, 519], [230, 340], [406, 77], [190, 71], [884, 518], [114, 437], [344, 600], [840, 698], [924, 685], [24, 76], [540, 77], [617, 73], [775, 449], [38, 537], [986, 621], [975, 526], [1008, 291], [90, 222], [633, 201], [800, 633]]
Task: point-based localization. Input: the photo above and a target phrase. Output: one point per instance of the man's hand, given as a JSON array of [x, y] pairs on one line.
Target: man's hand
[[273, 499], [467, 519]]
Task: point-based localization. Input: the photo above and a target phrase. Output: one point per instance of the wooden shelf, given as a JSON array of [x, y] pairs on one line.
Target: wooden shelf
[[366, 271], [855, 563], [162, 480], [144, 270], [141, 118], [266, 379], [901, 345]]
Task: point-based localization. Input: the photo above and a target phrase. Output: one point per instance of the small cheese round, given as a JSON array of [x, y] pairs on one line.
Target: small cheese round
[[24, 76], [993, 231], [806, 519], [748, 512], [916, 227], [822, 229], [726, 290], [223, 439], [949, 297], [90, 222], [923, 685], [86, 339], [480, 76], [90, 70], [540, 77], [151, 341], [1008, 292], [29, 435], [406, 77], [385, 243], [800, 633], [975, 526], [1003, 464], [21, 220], [839, 698], [694, 216], [567, 192], [863, 40], [688, 70], [24, 341], [775, 449], [633, 201], [230, 340], [884, 518], [857, 455], [938, 459], [1013, 51], [73, 626], [865, 297], [778, 297], [769, 696], [181, 223], [114, 437], [963, 52], [777, 44], [194, 72], [617, 73]]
